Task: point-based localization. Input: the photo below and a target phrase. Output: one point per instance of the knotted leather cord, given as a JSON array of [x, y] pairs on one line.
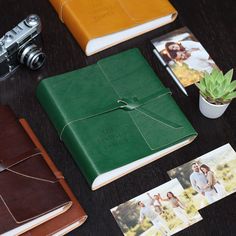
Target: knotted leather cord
[[29, 176], [32, 177], [129, 105], [8, 209]]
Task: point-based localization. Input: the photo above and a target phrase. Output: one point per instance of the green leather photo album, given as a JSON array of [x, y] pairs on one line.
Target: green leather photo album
[[114, 116]]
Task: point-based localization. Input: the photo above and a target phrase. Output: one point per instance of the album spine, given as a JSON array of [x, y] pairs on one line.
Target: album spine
[[72, 142]]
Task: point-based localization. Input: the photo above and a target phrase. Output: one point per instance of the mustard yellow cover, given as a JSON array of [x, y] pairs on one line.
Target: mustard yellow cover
[[91, 19]]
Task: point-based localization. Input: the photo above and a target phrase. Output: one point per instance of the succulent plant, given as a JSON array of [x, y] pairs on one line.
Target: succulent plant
[[218, 88]]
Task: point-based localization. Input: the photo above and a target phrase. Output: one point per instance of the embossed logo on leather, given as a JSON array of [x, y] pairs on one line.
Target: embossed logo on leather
[[111, 136]]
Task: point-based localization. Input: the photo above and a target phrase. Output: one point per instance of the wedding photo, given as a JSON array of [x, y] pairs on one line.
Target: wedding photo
[[162, 211], [210, 177], [185, 55]]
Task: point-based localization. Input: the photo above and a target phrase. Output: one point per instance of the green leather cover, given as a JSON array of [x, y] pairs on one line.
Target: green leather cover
[[113, 113]]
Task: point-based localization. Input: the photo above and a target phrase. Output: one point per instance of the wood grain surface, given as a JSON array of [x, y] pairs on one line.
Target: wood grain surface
[[213, 23]]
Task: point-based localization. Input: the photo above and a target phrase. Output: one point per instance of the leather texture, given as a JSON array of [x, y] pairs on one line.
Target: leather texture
[[72, 215], [12, 149], [100, 138], [90, 19], [28, 188]]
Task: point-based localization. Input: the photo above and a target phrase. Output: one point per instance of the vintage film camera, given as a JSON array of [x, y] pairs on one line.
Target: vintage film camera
[[19, 46]]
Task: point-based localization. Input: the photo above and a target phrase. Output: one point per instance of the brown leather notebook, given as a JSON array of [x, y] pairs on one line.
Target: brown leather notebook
[[30, 193], [69, 220]]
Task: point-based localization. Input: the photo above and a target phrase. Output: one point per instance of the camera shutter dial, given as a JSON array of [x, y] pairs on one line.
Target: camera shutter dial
[[32, 20], [8, 38]]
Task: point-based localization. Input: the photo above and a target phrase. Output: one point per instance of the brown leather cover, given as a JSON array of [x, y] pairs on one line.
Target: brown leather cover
[[28, 187], [71, 216]]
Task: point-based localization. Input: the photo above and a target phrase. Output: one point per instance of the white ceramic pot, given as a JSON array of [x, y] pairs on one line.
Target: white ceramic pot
[[210, 110]]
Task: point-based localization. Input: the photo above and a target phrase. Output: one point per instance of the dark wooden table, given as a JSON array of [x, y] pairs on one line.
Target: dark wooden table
[[213, 23]]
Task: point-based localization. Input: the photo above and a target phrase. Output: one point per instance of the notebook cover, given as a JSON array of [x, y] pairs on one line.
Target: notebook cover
[[74, 215], [102, 133], [90, 19], [29, 189]]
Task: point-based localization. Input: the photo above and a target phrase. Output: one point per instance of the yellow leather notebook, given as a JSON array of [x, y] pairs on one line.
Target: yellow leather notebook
[[100, 24]]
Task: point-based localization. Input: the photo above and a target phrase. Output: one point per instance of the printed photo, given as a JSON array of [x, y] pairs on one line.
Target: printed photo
[[185, 55], [164, 210], [210, 177]]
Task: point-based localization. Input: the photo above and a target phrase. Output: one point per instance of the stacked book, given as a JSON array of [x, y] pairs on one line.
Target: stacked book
[[34, 197], [114, 116]]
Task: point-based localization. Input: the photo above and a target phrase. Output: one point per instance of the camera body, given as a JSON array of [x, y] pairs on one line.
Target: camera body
[[20, 46]]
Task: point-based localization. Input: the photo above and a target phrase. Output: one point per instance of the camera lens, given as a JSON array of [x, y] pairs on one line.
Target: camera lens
[[32, 57]]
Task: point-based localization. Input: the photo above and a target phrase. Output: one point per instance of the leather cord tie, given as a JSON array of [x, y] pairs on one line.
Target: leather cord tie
[[130, 104]]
